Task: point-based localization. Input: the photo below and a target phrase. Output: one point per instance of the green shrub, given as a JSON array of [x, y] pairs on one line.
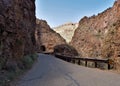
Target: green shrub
[[8, 76], [19, 42], [2, 62], [34, 56], [29, 60], [1, 45]]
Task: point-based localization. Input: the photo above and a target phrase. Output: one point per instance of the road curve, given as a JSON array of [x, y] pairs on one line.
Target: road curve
[[50, 71]]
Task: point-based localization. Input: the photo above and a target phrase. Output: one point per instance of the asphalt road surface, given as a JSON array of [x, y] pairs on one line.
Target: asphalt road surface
[[50, 71]]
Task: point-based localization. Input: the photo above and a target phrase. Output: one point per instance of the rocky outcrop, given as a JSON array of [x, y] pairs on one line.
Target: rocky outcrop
[[17, 27], [47, 37], [111, 45], [66, 30], [91, 33], [111, 42], [65, 49]]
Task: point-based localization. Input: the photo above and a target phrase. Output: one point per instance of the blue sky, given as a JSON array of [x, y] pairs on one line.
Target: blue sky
[[57, 12]]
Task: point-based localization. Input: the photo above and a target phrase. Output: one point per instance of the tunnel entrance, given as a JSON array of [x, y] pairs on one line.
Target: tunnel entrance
[[43, 48]]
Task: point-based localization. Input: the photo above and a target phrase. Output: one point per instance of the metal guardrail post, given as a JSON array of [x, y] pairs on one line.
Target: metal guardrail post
[[79, 62], [85, 63], [108, 62], [95, 64], [74, 61], [108, 66]]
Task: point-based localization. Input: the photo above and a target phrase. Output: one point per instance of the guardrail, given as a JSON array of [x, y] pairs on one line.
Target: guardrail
[[79, 59]]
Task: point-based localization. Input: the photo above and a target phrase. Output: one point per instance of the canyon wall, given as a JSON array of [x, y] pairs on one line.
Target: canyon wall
[[17, 28], [93, 33], [47, 37], [66, 30]]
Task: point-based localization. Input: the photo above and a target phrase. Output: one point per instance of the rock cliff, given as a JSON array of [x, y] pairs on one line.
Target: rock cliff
[[47, 37], [17, 28], [111, 45], [66, 30], [90, 36]]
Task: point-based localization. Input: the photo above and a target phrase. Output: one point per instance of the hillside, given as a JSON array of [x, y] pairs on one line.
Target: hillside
[[92, 33], [47, 37], [66, 30]]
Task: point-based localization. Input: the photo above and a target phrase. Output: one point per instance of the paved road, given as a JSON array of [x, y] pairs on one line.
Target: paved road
[[50, 71]]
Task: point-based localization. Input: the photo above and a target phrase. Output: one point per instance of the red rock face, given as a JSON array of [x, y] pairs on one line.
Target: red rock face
[[47, 37], [88, 37], [111, 45], [111, 42], [17, 27]]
